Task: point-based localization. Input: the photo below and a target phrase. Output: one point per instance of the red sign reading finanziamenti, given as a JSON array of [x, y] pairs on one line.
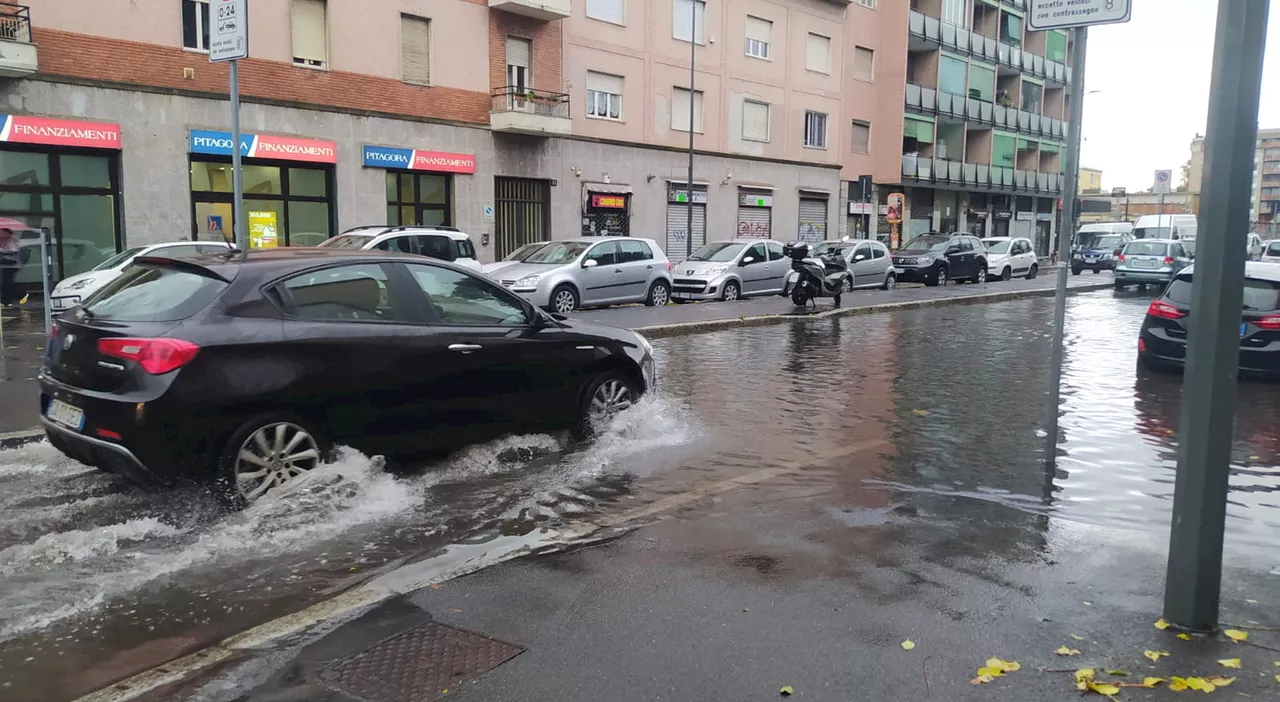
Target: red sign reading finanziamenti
[[18, 129]]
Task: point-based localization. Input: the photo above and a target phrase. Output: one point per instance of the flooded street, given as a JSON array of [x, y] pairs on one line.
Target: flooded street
[[932, 413]]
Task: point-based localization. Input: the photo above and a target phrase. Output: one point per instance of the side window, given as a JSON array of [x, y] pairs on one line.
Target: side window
[[863, 250], [386, 244], [466, 249], [352, 293], [1179, 251], [648, 252], [966, 245], [633, 251], [435, 246], [605, 254], [403, 244], [877, 251], [464, 300], [775, 250], [757, 251]]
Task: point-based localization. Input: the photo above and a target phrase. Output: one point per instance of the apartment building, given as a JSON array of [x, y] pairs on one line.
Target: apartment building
[[1264, 203], [513, 120], [986, 108]]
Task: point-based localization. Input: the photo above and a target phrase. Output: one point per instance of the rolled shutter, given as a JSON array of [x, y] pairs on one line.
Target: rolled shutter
[[604, 82], [518, 51], [680, 110], [813, 220], [759, 29], [307, 22], [755, 221], [818, 56], [678, 223], [755, 121], [415, 49], [607, 10]]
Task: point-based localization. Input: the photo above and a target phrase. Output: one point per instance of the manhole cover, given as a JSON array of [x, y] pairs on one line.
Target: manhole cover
[[418, 664]]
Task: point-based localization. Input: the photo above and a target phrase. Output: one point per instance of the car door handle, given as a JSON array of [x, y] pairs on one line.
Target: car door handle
[[617, 270], [465, 348], [650, 266]]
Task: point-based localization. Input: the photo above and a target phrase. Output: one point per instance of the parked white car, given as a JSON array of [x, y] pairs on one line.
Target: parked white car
[[72, 290], [1255, 247], [441, 243], [1008, 257], [1271, 250]]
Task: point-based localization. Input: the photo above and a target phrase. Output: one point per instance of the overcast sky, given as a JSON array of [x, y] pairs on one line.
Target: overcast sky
[[1153, 74]]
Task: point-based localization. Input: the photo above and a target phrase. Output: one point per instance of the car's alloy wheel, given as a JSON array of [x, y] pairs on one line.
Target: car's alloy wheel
[[608, 394], [731, 292], [1035, 269], [848, 285], [940, 278], [981, 278], [890, 282], [271, 456], [659, 295], [1006, 274], [564, 301]]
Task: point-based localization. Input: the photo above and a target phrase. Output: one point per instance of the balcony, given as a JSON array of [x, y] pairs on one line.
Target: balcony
[[926, 33], [941, 171], [17, 53], [519, 110], [981, 114], [545, 10]]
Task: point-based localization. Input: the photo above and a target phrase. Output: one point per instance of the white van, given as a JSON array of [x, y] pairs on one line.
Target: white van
[[1166, 226]]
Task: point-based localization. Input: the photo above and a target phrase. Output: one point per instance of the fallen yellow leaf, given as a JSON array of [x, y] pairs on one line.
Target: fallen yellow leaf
[[1088, 604], [920, 412], [1085, 674], [908, 645], [1278, 678], [785, 690], [1151, 682], [1081, 638], [1229, 663], [1252, 601], [1219, 680], [1155, 656], [1185, 636], [1064, 651], [990, 672], [1102, 688], [1236, 635], [1003, 666], [1161, 624], [1177, 684], [981, 679]]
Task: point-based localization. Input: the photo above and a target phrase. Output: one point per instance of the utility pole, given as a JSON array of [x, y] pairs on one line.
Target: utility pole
[[1194, 579], [693, 47]]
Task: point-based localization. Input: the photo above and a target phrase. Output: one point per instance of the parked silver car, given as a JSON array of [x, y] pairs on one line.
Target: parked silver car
[[869, 261], [1146, 261], [565, 275], [728, 270]]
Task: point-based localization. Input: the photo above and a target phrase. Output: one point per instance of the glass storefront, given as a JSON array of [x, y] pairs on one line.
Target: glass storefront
[[74, 194], [422, 199], [300, 197]]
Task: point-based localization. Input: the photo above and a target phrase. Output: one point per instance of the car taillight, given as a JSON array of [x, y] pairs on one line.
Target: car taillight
[[1164, 310], [1168, 260], [1120, 258], [156, 356], [1270, 322], [670, 266]]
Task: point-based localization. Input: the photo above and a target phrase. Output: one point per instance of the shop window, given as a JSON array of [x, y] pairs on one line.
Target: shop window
[[88, 224], [420, 199], [308, 223], [260, 180], [307, 182], [195, 25], [85, 171], [22, 168], [297, 197]]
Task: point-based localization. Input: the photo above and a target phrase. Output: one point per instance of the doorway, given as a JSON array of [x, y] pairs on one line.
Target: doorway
[[522, 213]]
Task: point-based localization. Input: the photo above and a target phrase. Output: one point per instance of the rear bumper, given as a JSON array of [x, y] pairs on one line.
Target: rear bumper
[[99, 453], [1130, 275], [1174, 352]]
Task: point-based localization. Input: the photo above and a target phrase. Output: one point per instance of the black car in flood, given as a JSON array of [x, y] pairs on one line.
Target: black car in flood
[[932, 259], [1162, 342], [245, 370]]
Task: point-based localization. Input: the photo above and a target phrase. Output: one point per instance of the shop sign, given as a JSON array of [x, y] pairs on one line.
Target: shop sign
[[280, 148], [1004, 214], [609, 202], [861, 208], [418, 160], [755, 200], [1044, 217], [896, 203], [1026, 216], [263, 233], [699, 196], [17, 129]]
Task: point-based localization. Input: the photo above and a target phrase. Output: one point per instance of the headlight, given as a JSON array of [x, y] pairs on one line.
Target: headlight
[[82, 284], [528, 282]]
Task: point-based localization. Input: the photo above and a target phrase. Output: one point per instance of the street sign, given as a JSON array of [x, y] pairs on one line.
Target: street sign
[[1119, 192], [1064, 14], [1164, 183], [488, 211], [229, 33]]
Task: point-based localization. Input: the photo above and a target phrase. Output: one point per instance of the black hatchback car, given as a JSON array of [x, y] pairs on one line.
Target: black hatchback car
[[932, 259], [245, 370], [1162, 342]]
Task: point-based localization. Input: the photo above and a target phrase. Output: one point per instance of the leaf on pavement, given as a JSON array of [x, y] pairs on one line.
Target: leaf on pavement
[[1252, 601], [1236, 635], [1178, 684], [1219, 680], [1155, 656], [982, 679], [1229, 662], [785, 691], [1077, 638], [1117, 672], [1184, 636], [908, 645], [1083, 677], [1064, 651], [920, 412], [1104, 689], [1161, 624], [1278, 678]]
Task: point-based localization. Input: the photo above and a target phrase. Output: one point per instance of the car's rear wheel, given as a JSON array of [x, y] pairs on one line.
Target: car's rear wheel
[[659, 294], [731, 292], [606, 395], [1006, 274], [981, 277], [564, 299], [1035, 270], [264, 454], [890, 282]]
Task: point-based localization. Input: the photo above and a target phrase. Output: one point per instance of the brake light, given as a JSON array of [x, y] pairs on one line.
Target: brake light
[[156, 356], [1120, 258], [1168, 260], [1164, 310], [1270, 322], [670, 266]]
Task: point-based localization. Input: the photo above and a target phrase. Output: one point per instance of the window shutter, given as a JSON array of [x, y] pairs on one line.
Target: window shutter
[[818, 57], [680, 110], [862, 137], [863, 63], [518, 51], [755, 121], [604, 82], [607, 10], [682, 19], [307, 22], [759, 29], [415, 49]]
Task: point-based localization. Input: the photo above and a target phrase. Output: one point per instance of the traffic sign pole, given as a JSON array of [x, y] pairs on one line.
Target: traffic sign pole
[[229, 41], [237, 176]]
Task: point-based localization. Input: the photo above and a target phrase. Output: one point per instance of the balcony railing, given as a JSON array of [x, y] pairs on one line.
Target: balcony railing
[[987, 48], [529, 111], [15, 22], [925, 169], [18, 55], [983, 113]]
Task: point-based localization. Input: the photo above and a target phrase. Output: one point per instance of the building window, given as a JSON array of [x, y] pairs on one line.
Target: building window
[[680, 110], [953, 75], [815, 130], [310, 40], [415, 49], [421, 199], [759, 32], [864, 61], [195, 25], [1055, 47], [614, 11], [982, 82], [1010, 28], [953, 12], [604, 95], [689, 20], [755, 120], [818, 54], [1031, 94], [861, 141], [519, 58], [867, 3], [295, 199]]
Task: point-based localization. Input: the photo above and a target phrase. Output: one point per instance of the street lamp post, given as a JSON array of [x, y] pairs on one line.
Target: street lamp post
[[693, 46]]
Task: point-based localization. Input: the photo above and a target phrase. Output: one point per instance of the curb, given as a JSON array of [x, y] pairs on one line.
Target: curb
[[18, 439], [663, 330]]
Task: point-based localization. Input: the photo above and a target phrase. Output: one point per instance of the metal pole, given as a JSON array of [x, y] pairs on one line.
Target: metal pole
[[693, 46], [1070, 187], [237, 184], [1193, 583], [46, 272]]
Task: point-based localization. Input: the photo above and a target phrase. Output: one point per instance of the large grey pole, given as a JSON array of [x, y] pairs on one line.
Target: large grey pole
[[1065, 232], [693, 46], [237, 184], [1194, 579]]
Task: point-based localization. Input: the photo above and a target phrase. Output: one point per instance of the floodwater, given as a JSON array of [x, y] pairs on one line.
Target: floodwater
[[942, 408]]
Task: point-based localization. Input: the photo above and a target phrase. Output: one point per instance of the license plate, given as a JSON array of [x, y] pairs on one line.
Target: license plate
[[65, 303], [1144, 264], [66, 414], [1090, 259]]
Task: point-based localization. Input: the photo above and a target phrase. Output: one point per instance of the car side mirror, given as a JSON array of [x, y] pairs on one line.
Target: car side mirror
[[590, 263], [859, 257], [746, 260]]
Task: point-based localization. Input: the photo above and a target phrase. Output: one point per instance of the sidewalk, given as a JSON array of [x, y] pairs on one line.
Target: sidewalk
[[21, 354]]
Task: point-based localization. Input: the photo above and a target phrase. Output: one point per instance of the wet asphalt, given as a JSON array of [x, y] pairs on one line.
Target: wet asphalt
[[807, 496]]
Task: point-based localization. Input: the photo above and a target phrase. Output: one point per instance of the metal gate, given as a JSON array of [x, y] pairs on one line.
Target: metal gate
[[755, 214], [677, 229], [813, 220], [522, 213]]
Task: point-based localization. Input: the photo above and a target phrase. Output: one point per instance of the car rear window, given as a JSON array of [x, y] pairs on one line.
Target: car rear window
[[1147, 248], [465, 249], [146, 293], [1259, 295]]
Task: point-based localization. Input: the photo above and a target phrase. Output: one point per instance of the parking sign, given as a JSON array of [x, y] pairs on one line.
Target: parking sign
[[229, 33], [1164, 183]]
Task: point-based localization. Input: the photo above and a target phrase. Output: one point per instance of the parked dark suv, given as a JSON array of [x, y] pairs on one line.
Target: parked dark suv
[[248, 369], [932, 259]]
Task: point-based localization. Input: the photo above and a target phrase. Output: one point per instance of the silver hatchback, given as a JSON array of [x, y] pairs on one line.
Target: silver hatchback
[[565, 275], [728, 270]]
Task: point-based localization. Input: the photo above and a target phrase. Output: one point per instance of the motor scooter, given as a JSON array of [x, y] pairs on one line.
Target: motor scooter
[[812, 277]]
